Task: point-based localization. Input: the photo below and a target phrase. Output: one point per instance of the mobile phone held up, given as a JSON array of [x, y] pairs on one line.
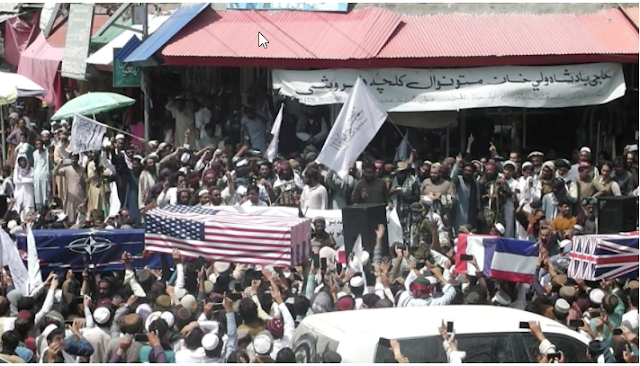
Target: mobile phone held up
[[141, 337], [576, 323], [323, 264], [449, 327], [466, 257]]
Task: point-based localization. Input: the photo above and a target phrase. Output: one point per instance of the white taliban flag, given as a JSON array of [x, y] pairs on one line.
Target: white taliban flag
[[357, 258], [357, 124], [33, 261], [272, 150], [401, 150], [86, 134], [11, 258]]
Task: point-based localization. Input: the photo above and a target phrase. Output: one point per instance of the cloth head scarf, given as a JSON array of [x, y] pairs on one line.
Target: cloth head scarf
[[549, 164], [20, 172], [420, 284]]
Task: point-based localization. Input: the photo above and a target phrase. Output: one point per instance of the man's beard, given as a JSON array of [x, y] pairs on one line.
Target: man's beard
[[590, 216], [286, 175], [216, 201], [491, 176], [467, 178], [425, 175], [137, 171], [436, 179]]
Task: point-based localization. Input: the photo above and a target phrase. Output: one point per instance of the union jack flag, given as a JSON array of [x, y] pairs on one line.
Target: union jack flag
[[604, 257]]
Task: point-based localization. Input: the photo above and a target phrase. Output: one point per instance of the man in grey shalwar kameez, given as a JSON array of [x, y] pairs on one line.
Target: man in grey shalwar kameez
[[467, 195], [340, 190]]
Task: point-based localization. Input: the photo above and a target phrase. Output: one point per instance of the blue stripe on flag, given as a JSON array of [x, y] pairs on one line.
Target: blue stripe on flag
[[489, 245], [516, 247]]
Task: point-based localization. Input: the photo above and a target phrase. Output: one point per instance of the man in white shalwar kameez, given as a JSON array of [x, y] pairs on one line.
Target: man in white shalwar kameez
[[185, 120], [508, 169], [23, 193], [528, 190], [42, 167]]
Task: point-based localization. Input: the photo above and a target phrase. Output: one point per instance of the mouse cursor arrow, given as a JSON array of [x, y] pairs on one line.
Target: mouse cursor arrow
[[262, 41]]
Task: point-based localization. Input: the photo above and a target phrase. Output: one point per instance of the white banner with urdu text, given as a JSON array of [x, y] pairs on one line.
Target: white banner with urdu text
[[420, 90]]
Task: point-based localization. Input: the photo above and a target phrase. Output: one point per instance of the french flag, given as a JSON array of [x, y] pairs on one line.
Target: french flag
[[498, 258]]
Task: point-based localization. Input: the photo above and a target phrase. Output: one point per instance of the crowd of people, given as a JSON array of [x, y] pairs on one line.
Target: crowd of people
[[229, 312]]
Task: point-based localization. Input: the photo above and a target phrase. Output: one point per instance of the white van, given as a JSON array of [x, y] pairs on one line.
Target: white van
[[486, 333]]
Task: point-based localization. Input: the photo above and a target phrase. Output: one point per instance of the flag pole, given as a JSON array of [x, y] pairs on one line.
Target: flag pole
[[115, 129], [400, 132]]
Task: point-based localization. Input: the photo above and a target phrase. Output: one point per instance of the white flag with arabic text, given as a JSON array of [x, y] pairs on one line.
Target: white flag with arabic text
[[357, 124], [86, 134], [272, 150]]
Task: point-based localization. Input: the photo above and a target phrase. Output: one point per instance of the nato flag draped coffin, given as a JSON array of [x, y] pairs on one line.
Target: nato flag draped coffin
[[64, 249], [228, 236], [498, 258], [604, 257]]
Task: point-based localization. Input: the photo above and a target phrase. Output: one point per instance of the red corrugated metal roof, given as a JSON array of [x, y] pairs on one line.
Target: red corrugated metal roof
[[59, 36], [634, 15], [292, 35], [490, 35]]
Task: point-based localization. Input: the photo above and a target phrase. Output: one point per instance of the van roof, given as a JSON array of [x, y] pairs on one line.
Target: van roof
[[424, 321]]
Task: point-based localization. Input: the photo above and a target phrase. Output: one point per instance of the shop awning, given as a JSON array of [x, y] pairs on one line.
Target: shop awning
[[104, 56], [178, 20], [319, 39], [41, 60], [111, 33], [40, 63], [462, 40], [4, 17]]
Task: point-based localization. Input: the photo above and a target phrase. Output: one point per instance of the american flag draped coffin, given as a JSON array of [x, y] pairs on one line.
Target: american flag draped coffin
[[604, 257], [228, 236]]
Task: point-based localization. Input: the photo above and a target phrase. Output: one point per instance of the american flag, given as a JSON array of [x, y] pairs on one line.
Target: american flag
[[226, 236], [598, 257]]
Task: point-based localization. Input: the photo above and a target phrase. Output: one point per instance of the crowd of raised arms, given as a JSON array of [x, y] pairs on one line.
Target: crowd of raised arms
[[196, 312]]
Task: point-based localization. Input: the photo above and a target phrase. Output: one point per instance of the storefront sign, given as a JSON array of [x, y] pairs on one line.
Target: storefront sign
[[290, 6], [419, 90], [76, 48], [125, 75]]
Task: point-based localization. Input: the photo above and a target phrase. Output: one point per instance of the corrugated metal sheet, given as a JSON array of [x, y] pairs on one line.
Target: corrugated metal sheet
[[59, 36], [633, 14], [291, 34], [104, 56], [482, 35], [128, 48], [111, 33], [178, 20]]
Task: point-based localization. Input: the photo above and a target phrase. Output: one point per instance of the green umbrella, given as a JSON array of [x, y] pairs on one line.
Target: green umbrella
[[92, 103]]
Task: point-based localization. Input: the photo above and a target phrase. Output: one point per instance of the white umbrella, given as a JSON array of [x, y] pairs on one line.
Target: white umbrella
[[8, 94], [14, 86]]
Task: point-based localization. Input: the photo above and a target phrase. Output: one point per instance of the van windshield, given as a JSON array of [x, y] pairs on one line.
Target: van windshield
[[482, 347], [417, 350]]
